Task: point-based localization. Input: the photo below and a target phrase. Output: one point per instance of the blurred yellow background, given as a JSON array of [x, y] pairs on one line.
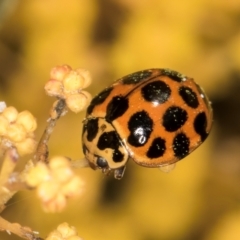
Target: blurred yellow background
[[200, 199]]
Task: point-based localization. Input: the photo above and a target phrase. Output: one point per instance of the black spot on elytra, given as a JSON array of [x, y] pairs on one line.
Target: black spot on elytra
[[116, 108], [157, 148], [189, 96], [157, 92], [136, 77], [174, 75], [100, 98], [200, 125], [181, 145], [140, 126], [174, 118], [92, 128]]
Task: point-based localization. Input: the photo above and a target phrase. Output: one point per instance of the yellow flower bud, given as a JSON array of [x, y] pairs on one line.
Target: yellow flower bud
[[4, 123], [77, 102], [62, 174], [37, 175], [73, 188], [54, 88], [16, 132], [61, 170], [59, 72], [10, 113], [56, 204], [55, 183], [54, 236], [66, 231], [27, 146], [73, 82], [27, 120], [86, 77], [48, 190]]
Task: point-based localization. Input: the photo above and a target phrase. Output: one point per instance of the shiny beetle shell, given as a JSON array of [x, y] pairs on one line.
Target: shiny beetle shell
[[155, 117]]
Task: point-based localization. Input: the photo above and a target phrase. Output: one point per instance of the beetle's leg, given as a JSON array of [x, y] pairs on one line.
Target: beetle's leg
[[119, 172]]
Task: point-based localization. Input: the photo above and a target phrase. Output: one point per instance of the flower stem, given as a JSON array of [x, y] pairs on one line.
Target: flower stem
[[57, 111], [17, 229]]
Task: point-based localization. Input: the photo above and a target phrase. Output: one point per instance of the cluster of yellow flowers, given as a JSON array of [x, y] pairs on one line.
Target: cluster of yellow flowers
[[66, 83], [64, 232], [55, 183], [17, 130], [53, 179]]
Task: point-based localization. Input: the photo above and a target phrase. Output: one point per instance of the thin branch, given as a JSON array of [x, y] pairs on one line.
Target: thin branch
[[17, 229], [8, 166], [42, 150]]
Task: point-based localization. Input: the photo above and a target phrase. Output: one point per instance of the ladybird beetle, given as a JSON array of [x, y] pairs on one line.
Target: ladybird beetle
[[155, 117]]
